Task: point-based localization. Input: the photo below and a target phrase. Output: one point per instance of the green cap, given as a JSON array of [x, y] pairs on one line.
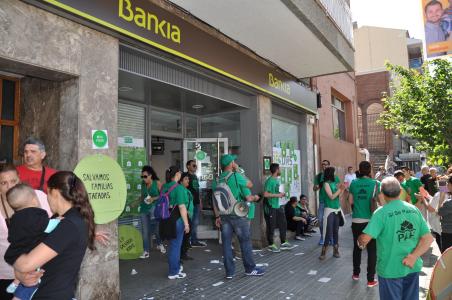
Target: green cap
[[227, 159]]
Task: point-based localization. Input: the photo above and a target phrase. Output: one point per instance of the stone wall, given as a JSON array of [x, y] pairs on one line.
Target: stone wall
[[70, 87]]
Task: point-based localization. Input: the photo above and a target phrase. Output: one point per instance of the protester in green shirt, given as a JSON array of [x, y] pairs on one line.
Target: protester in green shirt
[[177, 197], [333, 212], [413, 186], [193, 186], [277, 217], [402, 237], [150, 188], [403, 193], [185, 182], [362, 191], [318, 186], [229, 224]]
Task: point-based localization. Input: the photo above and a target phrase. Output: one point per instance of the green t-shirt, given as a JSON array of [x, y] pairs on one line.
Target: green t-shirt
[[178, 195], [318, 180], [362, 190], [190, 204], [412, 186], [397, 227], [251, 211], [298, 211], [272, 186], [331, 203], [152, 191]]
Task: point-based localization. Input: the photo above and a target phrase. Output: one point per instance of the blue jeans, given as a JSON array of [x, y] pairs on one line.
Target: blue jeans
[[405, 288], [320, 218], [195, 223], [332, 229], [174, 249], [149, 226], [241, 227]]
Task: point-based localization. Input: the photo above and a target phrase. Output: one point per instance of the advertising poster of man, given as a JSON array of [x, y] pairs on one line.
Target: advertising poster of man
[[438, 27]]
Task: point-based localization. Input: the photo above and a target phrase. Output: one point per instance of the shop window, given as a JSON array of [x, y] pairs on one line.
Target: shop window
[[191, 127], [284, 132], [339, 128], [164, 123], [9, 120], [131, 121], [226, 126]]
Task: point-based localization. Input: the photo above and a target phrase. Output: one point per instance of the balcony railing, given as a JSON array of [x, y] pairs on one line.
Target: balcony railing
[[339, 12]]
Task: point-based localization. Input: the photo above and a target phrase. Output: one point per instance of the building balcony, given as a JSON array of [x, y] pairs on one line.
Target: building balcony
[[306, 38], [415, 63]]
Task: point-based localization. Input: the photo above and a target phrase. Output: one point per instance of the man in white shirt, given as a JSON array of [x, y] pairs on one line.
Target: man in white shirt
[[349, 177]]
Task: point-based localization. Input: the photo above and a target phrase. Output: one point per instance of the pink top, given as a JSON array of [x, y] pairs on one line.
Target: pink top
[[6, 271]]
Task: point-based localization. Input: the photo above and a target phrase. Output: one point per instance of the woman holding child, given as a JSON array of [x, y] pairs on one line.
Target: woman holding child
[[61, 252]]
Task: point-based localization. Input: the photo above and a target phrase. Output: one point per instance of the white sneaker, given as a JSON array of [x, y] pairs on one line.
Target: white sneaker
[[299, 238], [178, 276], [145, 255], [161, 248]]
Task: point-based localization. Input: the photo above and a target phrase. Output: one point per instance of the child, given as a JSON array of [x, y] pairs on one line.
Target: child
[[29, 225], [433, 31]]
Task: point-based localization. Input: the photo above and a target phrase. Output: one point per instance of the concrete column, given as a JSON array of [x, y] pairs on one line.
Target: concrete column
[[97, 109], [265, 148]]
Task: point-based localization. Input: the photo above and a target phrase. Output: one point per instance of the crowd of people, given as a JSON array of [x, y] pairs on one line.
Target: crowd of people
[[47, 222]]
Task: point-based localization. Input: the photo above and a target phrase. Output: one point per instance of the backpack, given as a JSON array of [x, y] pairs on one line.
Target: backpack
[[161, 211], [223, 199]]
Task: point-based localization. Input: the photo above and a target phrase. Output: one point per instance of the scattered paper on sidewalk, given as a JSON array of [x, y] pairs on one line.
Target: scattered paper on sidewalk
[[133, 272], [215, 261], [218, 283], [257, 250], [299, 253], [262, 265], [324, 279], [207, 250], [243, 297], [312, 272], [282, 292]]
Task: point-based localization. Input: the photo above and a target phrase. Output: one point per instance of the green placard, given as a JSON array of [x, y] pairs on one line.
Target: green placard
[[200, 155], [106, 186], [100, 139], [130, 242]]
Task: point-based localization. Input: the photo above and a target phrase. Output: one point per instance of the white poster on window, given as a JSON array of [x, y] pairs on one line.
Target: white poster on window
[[289, 163]]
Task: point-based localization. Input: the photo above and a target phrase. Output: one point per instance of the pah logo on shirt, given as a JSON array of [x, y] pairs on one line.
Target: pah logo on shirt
[[406, 231]]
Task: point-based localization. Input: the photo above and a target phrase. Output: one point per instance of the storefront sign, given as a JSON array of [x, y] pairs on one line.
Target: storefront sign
[[99, 139], [267, 160], [105, 184], [146, 22]]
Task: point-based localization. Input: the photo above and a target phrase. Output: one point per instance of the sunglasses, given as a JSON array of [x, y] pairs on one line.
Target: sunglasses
[[194, 166], [144, 176]]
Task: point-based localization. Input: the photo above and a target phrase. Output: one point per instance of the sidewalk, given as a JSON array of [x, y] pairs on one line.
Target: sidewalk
[[286, 278]]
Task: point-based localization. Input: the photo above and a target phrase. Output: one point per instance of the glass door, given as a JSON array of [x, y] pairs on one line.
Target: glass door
[[207, 153]]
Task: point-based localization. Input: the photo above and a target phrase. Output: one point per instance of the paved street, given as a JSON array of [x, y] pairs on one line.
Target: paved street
[[287, 275]]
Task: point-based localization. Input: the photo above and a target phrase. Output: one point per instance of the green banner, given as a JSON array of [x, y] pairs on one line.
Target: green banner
[[130, 242], [132, 160]]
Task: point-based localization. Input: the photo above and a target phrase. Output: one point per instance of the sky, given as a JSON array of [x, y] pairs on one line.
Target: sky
[[399, 14]]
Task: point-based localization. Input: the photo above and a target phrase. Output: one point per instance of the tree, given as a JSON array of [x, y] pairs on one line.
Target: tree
[[421, 107]]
